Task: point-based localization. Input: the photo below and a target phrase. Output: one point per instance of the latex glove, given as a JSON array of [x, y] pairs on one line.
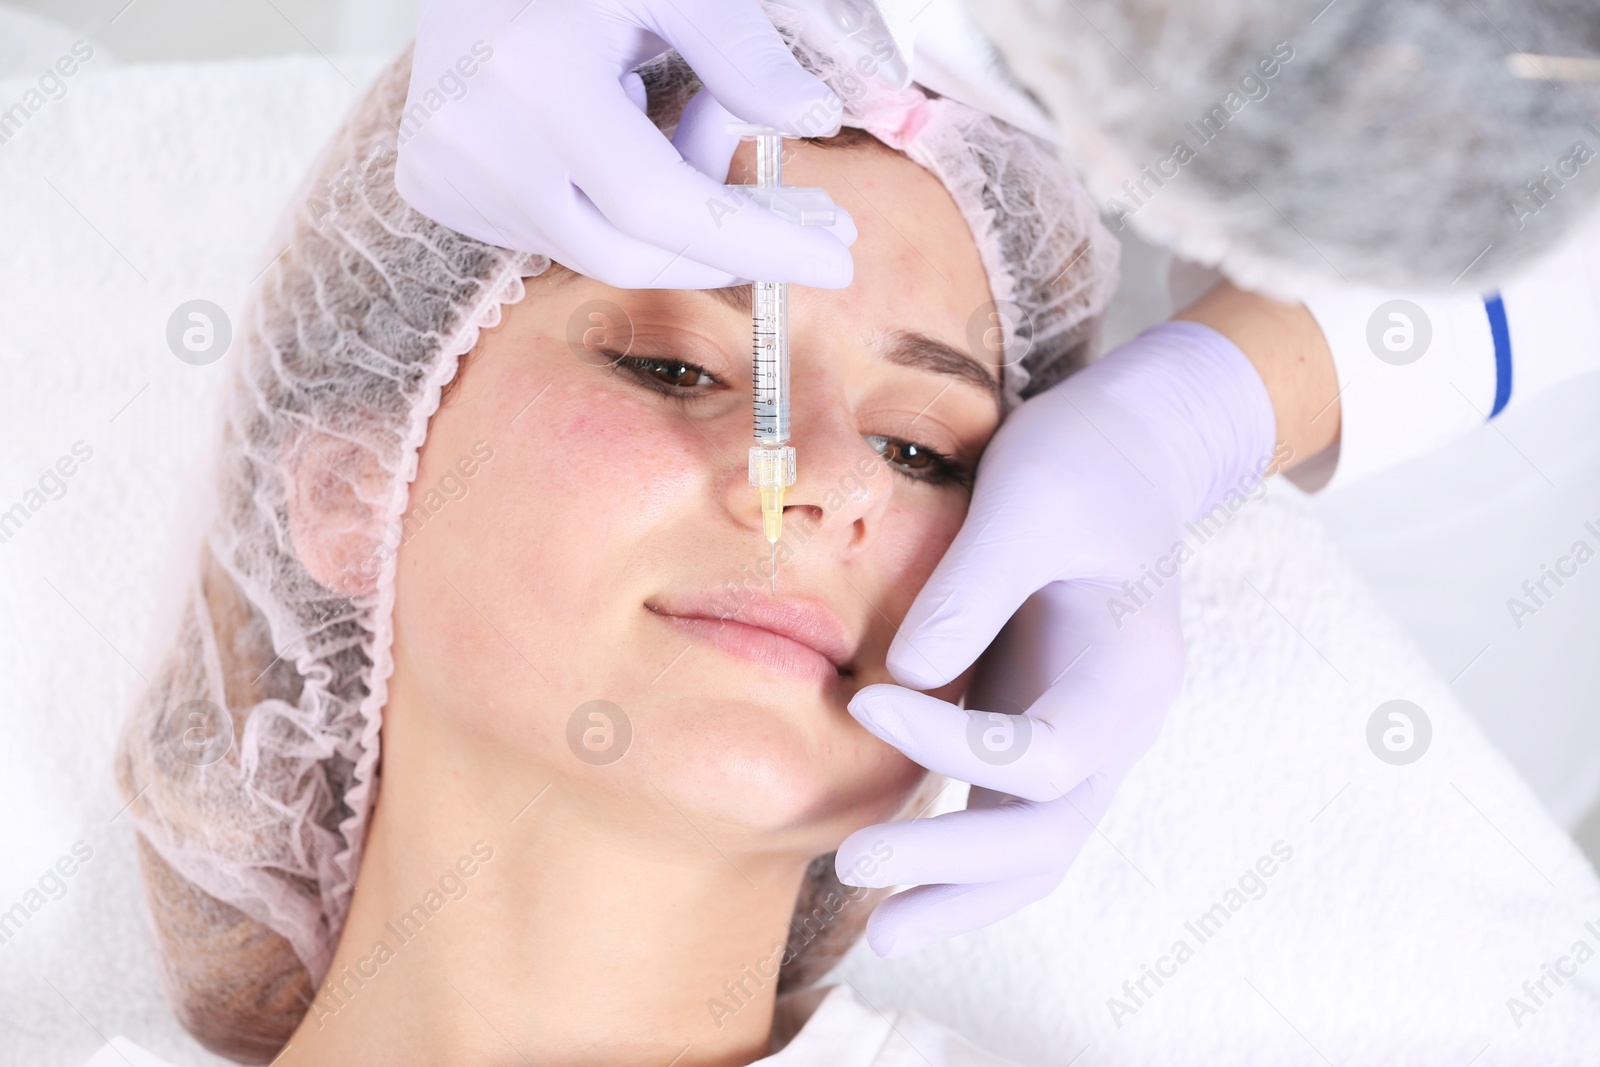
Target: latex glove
[[548, 149], [1077, 519]]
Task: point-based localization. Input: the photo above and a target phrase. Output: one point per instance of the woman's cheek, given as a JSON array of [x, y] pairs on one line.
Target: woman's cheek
[[920, 531], [585, 485], [618, 458]]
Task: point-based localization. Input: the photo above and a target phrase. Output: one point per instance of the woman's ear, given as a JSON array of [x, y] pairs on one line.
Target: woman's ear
[[334, 493]]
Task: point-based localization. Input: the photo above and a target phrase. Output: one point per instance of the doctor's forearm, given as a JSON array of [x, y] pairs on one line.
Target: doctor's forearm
[[1289, 351]]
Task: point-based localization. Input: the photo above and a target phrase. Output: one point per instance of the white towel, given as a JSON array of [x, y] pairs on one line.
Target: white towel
[[140, 189], [1416, 901]]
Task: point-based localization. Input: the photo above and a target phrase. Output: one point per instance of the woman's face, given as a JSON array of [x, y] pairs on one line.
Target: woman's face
[[588, 558]]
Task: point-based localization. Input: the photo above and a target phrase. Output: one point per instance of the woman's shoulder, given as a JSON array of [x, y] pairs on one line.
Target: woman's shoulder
[[120, 1052], [836, 1025]]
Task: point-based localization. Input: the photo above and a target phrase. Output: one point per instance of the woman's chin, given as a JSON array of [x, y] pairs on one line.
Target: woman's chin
[[742, 766]]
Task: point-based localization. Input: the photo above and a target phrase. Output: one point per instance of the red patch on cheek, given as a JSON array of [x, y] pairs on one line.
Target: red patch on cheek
[[601, 445]]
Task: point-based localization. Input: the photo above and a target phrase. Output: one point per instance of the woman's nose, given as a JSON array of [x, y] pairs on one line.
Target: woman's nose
[[841, 483]]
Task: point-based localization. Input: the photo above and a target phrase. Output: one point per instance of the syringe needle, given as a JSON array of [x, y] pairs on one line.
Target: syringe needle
[[774, 568]]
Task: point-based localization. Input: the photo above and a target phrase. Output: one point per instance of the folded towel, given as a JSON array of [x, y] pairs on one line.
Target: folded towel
[[1267, 888], [141, 188]]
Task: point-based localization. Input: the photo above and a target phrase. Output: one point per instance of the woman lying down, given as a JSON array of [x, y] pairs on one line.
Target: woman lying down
[[479, 530]]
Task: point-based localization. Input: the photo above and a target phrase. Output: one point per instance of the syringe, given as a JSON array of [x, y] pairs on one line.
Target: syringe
[[772, 460]]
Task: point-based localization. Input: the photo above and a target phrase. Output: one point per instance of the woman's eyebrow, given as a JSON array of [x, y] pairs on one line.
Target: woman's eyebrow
[[908, 348], [737, 297]]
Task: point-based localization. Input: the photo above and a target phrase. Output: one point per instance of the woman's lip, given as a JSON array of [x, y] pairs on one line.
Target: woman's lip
[[757, 645], [807, 620]]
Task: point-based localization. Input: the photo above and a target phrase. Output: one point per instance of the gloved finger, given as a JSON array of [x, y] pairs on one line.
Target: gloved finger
[[633, 85], [703, 141], [604, 253], [647, 191], [575, 233], [1014, 754], [1102, 673], [1092, 681], [740, 56], [1013, 839], [925, 914], [1003, 553], [1106, 704], [702, 136]]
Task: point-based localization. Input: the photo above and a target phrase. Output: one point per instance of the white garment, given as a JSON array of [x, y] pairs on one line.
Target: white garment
[[836, 1029], [1415, 378], [841, 1029]]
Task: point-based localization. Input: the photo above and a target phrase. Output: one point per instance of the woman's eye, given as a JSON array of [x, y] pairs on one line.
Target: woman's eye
[[672, 376], [919, 462], [676, 377]]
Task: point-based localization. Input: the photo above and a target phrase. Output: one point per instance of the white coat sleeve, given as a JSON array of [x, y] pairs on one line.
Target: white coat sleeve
[[1417, 371]]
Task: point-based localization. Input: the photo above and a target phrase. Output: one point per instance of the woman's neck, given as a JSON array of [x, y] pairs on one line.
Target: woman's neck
[[503, 917]]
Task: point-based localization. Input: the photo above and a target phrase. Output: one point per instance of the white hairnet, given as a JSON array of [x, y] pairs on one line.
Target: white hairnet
[[250, 762]]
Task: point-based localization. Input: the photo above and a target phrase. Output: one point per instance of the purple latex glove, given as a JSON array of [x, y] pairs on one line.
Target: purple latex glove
[[545, 147], [1071, 545]]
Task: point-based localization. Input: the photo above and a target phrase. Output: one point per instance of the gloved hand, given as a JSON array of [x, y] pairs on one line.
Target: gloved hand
[[1077, 519], [548, 148]]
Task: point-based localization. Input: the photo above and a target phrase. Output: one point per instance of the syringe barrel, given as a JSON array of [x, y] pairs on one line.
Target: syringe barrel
[[770, 361]]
